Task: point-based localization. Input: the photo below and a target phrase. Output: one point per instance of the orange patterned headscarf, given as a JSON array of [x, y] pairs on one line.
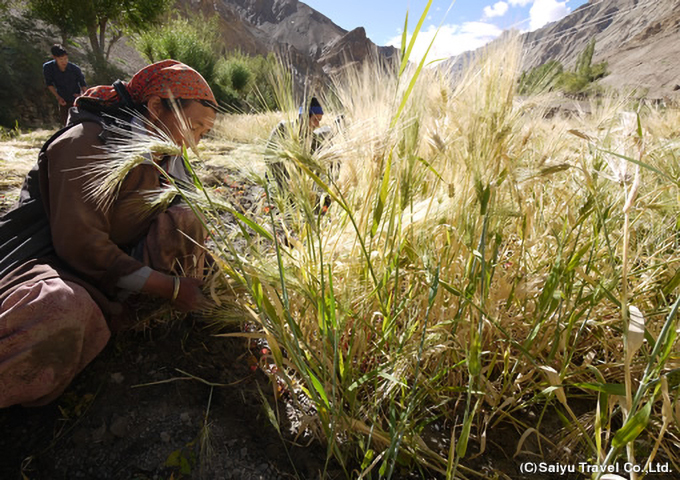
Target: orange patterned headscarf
[[166, 79]]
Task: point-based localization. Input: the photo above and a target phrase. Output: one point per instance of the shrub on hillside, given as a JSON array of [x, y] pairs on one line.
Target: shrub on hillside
[[248, 79], [103, 72], [236, 73], [260, 95], [239, 82], [580, 80], [189, 41], [540, 79]]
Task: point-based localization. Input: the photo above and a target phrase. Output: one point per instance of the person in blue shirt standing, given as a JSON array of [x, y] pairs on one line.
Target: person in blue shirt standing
[[65, 80]]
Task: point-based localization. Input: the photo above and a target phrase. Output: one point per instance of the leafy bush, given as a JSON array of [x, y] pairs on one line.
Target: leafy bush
[[261, 95], [188, 41], [541, 78], [552, 75], [585, 74], [248, 79], [236, 74], [238, 81]]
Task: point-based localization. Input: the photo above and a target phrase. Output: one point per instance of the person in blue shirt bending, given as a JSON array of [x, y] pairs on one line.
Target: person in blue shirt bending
[[65, 80]]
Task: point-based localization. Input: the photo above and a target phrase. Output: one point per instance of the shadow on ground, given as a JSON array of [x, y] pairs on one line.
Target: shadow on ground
[[105, 426]]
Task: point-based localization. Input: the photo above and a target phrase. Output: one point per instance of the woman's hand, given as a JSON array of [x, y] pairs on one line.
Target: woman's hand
[[190, 297]]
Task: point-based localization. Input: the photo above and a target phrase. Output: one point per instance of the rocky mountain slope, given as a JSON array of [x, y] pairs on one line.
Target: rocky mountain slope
[[639, 39], [314, 44], [289, 22]]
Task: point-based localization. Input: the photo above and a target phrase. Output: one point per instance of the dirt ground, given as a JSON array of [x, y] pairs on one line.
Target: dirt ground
[[139, 412]]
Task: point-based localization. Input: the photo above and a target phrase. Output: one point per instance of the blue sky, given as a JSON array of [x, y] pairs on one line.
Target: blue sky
[[468, 25]]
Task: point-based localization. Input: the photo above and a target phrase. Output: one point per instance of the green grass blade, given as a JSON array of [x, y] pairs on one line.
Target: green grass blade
[[412, 83], [638, 162], [382, 196], [257, 228], [633, 427], [404, 37], [608, 388], [319, 388], [407, 54]]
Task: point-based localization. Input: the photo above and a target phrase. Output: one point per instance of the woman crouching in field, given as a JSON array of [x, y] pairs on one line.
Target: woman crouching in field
[[66, 256]]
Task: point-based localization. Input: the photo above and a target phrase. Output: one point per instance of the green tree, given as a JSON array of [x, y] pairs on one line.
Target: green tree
[[585, 73], [63, 14], [585, 60], [103, 21]]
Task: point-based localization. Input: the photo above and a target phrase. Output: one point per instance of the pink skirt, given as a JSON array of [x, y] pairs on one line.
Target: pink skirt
[[49, 331]]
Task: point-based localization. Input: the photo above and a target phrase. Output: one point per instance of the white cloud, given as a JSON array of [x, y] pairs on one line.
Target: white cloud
[[519, 3], [498, 10], [546, 11], [451, 40]]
